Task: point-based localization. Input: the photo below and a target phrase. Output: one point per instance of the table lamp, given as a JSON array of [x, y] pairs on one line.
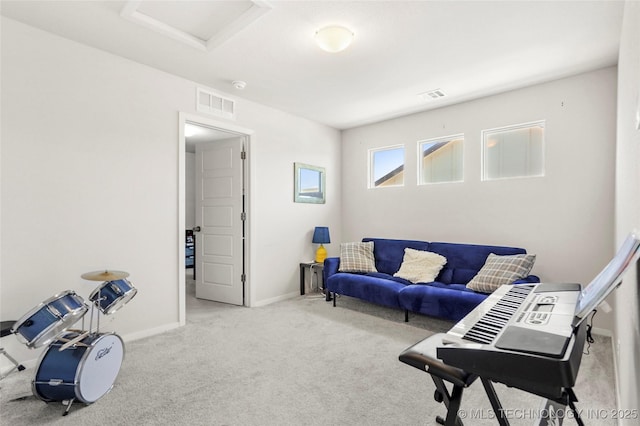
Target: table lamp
[[321, 236]]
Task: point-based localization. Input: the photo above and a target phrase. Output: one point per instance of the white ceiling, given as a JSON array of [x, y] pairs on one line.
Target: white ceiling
[[401, 48]]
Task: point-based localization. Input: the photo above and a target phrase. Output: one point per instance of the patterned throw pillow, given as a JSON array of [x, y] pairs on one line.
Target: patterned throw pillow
[[500, 270], [419, 266], [357, 257]]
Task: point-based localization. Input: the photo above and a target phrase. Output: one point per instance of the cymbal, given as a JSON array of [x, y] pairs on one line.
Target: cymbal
[[104, 275]]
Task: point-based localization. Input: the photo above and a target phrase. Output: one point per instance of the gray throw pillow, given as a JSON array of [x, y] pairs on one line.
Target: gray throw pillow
[[500, 270], [357, 257]]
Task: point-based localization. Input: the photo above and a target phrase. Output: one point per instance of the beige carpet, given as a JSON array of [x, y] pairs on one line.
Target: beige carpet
[[296, 362]]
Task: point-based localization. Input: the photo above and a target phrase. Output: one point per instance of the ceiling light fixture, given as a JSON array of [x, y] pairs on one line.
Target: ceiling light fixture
[[334, 38]]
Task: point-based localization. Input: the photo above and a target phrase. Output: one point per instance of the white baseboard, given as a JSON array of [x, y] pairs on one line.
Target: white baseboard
[[130, 337], [266, 302], [616, 373], [614, 353], [32, 361], [602, 332]]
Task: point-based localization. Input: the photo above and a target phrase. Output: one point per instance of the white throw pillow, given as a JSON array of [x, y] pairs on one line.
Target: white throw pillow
[[419, 266]]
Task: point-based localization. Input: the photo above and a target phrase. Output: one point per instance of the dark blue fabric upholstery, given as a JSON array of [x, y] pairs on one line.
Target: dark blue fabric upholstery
[[331, 265], [389, 253], [447, 297], [440, 301], [373, 289], [465, 260]]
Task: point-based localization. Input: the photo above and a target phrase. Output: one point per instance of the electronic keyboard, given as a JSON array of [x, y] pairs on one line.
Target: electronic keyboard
[[523, 336]]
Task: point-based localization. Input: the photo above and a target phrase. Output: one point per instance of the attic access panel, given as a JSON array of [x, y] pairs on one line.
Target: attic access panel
[[203, 25]]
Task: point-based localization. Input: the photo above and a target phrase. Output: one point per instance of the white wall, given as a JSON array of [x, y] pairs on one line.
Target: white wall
[[566, 217], [627, 312], [90, 181]]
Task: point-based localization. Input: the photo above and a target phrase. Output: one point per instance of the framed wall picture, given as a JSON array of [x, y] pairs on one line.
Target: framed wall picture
[[309, 184]]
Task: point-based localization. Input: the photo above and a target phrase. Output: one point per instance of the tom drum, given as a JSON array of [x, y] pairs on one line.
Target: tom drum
[[112, 295], [45, 322]]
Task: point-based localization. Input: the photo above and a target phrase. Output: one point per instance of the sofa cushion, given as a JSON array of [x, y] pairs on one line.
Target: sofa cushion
[[501, 270], [371, 287], [465, 260], [459, 287], [389, 253], [388, 277], [419, 266], [440, 300], [357, 257]]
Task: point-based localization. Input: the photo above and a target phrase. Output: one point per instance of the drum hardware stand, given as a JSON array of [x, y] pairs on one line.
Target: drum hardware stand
[[97, 316], [91, 319], [68, 405], [6, 331], [100, 299], [16, 364]]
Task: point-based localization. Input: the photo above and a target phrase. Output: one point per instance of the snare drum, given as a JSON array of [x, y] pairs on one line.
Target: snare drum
[[84, 372], [45, 322], [112, 295]]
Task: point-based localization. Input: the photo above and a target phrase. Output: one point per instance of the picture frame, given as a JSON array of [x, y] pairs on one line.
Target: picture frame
[[309, 184]]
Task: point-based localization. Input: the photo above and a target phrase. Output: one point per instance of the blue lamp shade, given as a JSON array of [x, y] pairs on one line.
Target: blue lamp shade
[[321, 235]]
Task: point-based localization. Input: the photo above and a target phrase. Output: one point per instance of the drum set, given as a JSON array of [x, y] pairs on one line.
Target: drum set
[[78, 365]]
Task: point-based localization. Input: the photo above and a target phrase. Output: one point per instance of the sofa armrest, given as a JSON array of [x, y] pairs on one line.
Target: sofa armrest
[[331, 265], [527, 280]]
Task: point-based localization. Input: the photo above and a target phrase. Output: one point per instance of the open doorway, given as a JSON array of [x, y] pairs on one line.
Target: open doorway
[[213, 207]]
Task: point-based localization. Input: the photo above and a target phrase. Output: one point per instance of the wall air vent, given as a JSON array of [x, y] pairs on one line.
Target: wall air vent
[[212, 103], [432, 94]]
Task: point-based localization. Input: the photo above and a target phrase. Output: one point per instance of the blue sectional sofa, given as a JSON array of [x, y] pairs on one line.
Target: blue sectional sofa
[[447, 297]]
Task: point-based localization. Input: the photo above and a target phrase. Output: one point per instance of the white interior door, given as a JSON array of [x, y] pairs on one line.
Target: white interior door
[[219, 214]]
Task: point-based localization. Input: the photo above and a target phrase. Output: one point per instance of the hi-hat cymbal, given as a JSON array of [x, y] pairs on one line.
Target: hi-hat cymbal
[[104, 275]]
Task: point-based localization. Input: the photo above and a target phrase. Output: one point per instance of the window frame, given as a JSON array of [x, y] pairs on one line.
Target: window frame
[[483, 151], [447, 139], [371, 165]]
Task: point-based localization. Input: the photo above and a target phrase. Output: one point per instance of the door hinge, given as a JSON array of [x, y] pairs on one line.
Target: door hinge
[[243, 155], [243, 216], [243, 277]]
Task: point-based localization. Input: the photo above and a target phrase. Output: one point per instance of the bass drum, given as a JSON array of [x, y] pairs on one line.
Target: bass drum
[[84, 372]]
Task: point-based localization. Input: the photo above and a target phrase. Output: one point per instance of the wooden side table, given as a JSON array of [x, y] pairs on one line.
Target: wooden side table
[[314, 268]]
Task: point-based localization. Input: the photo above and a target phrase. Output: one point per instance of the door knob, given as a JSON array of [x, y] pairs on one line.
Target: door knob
[[196, 229]]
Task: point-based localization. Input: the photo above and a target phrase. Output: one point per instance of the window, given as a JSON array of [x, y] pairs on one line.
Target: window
[[440, 160], [386, 167], [514, 151]]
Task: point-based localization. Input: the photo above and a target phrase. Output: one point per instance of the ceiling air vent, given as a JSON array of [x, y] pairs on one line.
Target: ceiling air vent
[[432, 94], [212, 103]]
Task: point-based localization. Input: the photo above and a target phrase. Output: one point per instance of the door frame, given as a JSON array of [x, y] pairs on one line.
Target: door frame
[[183, 118]]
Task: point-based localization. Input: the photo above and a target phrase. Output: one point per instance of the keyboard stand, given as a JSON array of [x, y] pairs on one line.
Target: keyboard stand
[[547, 412], [422, 356], [552, 406], [495, 402]]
